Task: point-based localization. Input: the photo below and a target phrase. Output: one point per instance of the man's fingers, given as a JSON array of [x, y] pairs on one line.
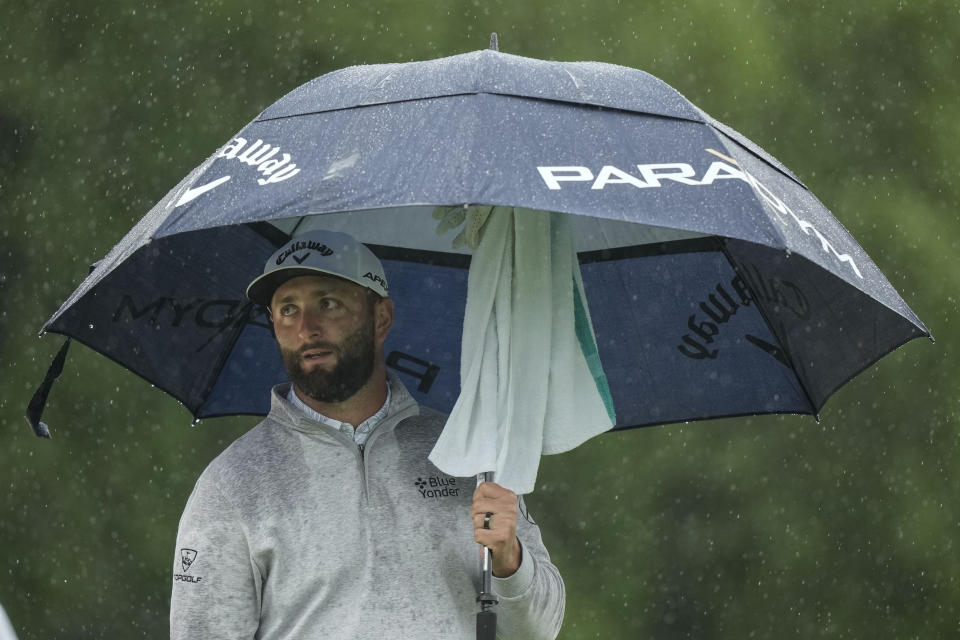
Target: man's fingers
[[506, 550], [501, 505], [492, 490], [497, 507], [482, 507], [492, 497], [495, 540], [481, 519]]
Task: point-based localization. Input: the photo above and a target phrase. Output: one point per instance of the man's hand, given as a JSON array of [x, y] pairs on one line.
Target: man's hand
[[501, 534]]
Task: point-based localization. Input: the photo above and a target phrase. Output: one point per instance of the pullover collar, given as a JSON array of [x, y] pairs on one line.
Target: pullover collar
[[359, 432], [400, 405]]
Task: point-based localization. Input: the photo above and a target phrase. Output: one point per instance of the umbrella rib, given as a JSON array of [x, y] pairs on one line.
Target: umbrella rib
[[275, 236], [224, 355], [683, 420], [350, 107], [421, 256], [720, 136], [815, 411], [853, 375], [753, 149], [706, 244], [165, 388]]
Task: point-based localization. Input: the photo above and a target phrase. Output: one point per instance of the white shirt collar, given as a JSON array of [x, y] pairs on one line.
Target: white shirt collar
[[359, 434]]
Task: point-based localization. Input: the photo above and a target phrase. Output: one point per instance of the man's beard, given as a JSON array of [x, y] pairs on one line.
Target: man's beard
[[355, 355]]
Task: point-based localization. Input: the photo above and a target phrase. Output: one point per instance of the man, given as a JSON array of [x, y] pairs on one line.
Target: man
[[327, 520]]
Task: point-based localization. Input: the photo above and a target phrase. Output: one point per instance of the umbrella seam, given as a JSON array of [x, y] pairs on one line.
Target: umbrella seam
[[782, 169], [745, 414], [774, 332], [775, 231], [871, 363], [592, 105], [218, 366], [110, 357]]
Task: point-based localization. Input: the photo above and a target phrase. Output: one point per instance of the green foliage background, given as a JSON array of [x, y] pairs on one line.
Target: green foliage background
[[758, 527]]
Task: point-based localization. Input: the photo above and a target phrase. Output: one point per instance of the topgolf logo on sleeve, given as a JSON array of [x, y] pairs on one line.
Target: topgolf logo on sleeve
[[187, 558]]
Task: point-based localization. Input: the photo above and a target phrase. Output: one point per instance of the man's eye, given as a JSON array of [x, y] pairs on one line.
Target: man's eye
[[329, 304], [288, 310]]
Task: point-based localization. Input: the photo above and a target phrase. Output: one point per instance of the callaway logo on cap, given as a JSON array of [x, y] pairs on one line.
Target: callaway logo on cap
[[319, 251]]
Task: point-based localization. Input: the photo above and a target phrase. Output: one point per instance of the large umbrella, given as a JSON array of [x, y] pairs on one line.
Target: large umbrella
[[717, 283]]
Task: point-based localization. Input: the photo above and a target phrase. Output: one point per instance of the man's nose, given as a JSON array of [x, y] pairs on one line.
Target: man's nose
[[311, 326]]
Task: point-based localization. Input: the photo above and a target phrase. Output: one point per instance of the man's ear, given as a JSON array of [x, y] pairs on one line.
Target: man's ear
[[383, 318]]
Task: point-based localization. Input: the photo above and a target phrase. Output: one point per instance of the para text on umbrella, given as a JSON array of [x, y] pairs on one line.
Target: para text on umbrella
[[653, 175]]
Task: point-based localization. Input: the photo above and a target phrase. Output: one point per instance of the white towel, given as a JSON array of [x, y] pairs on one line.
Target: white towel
[[531, 381], [6, 629]]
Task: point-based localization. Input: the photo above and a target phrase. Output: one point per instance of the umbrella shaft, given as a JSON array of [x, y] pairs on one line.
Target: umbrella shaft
[[486, 597], [487, 568]]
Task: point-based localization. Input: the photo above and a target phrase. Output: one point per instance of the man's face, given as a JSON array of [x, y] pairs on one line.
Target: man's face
[[327, 331]]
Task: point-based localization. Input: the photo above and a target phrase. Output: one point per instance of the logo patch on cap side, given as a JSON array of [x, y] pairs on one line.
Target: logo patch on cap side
[[378, 279]]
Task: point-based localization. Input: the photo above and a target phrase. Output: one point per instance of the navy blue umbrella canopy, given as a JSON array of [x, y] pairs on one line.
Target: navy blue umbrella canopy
[[717, 283]]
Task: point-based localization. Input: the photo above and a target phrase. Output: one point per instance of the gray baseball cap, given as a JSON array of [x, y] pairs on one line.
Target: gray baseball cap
[[319, 252]]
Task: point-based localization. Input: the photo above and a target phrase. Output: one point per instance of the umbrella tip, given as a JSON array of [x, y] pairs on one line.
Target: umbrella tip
[[494, 41]]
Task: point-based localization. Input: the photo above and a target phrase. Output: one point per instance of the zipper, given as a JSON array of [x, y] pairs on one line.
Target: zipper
[[362, 448], [363, 471]]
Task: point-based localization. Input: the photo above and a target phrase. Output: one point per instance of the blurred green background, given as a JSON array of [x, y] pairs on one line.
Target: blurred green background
[[755, 527]]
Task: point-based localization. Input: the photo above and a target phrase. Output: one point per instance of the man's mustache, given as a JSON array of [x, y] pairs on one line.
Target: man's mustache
[[325, 346]]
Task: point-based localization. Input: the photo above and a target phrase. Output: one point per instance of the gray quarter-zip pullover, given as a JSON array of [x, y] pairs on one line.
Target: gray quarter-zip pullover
[[296, 533]]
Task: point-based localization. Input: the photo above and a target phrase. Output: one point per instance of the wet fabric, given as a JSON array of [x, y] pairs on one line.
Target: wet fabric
[[294, 531], [531, 380]]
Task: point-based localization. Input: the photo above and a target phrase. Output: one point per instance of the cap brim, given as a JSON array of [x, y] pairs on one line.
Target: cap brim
[[262, 288]]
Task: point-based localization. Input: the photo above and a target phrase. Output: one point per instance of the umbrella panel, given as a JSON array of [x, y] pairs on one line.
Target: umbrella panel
[[172, 313], [720, 335], [724, 328], [688, 323], [687, 329], [827, 330], [464, 149]]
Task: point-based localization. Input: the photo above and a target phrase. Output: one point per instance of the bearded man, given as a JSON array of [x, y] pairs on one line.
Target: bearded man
[[327, 520]]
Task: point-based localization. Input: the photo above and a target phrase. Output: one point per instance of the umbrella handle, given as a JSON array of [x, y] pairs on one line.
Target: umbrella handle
[[486, 618]]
